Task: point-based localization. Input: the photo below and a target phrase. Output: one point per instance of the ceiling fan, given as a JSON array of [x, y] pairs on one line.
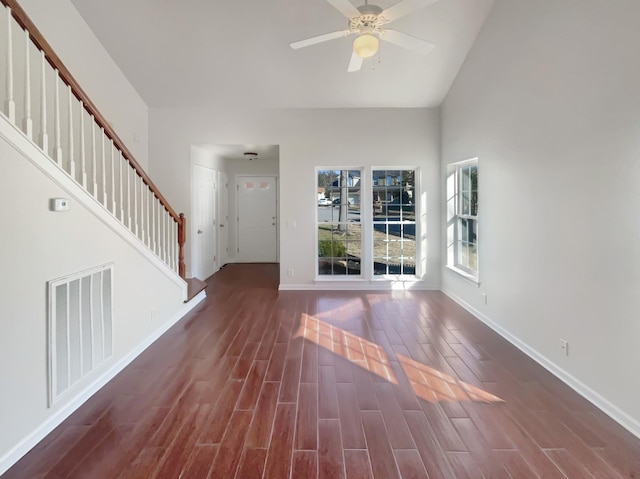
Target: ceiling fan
[[367, 22]]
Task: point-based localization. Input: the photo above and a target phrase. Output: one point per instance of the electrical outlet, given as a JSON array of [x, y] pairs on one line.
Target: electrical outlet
[[153, 316], [290, 272], [564, 346], [484, 298]]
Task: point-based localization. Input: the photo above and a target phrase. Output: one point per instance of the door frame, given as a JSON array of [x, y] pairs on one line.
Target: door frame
[[237, 179]]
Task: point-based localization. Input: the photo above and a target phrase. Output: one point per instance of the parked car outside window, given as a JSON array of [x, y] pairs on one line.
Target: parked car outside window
[[337, 201]]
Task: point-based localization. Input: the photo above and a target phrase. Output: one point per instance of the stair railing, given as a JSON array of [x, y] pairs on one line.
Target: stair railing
[[82, 142]]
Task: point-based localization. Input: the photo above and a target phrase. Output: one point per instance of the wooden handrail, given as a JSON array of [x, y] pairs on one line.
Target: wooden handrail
[[37, 38]]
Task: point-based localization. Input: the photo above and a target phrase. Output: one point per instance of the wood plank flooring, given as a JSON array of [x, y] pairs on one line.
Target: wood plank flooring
[[260, 384]]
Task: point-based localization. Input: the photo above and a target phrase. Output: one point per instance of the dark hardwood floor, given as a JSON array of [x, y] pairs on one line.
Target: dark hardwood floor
[[260, 384]]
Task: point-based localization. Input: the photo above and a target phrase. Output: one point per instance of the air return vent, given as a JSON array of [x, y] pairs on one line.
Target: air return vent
[[80, 327]]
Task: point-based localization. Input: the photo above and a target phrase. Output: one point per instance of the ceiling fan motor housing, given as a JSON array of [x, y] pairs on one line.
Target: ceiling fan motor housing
[[369, 21]]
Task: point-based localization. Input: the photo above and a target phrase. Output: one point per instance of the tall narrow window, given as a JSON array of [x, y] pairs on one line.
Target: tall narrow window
[[462, 215], [394, 222], [338, 221]]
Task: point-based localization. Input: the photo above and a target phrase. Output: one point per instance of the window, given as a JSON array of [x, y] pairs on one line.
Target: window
[[338, 222], [376, 239], [462, 216], [394, 222]]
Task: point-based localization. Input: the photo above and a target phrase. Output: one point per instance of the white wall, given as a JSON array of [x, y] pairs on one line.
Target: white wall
[[94, 69], [548, 100], [38, 246], [307, 138]]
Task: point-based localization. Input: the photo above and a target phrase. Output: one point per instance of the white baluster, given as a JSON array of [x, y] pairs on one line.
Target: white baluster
[[151, 243], [72, 160], [113, 182], [169, 222], [83, 157], [165, 235], [44, 138], [28, 122], [156, 231], [167, 257], [170, 241], [143, 211], [10, 104], [57, 152], [94, 160], [158, 227], [174, 244], [154, 215], [104, 170], [135, 202], [129, 202], [121, 184]]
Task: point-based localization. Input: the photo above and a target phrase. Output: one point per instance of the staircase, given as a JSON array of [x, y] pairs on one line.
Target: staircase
[[54, 142], [50, 109]]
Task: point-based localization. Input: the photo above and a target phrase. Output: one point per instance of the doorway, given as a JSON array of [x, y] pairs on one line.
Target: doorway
[[257, 219]]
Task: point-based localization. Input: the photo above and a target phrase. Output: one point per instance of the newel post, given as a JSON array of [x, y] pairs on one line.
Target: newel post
[[182, 236]]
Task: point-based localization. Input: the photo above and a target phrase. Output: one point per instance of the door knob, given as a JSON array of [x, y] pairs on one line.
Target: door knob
[[221, 226], [199, 232]]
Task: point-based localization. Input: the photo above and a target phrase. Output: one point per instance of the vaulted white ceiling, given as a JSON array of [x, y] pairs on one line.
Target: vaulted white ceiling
[[185, 53]]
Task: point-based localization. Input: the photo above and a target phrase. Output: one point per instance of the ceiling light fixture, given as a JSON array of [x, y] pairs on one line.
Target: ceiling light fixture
[[252, 155], [366, 45]]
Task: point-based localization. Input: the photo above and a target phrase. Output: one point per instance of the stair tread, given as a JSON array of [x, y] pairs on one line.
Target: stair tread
[[195, 286]]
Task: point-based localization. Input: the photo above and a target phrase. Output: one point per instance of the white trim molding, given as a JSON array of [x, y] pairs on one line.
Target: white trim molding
[[24, 446], [361, 286], [614, 412]]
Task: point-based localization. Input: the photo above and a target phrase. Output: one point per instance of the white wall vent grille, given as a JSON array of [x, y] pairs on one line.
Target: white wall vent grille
[[80, 327]]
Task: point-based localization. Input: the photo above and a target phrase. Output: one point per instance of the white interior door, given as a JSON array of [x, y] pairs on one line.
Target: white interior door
[[257, 219], [223, 219], [204, 234]]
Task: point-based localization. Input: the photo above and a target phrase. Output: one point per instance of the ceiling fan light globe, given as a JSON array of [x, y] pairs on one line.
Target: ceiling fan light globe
[[366, 45]]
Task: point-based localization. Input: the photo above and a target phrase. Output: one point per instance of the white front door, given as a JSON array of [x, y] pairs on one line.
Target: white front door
[[257, 219], [203, 230], [223, 219]]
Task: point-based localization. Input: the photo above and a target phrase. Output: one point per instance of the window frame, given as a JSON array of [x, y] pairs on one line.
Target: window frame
[[455, 214], [367, 227], [416, 222], [344, 277]]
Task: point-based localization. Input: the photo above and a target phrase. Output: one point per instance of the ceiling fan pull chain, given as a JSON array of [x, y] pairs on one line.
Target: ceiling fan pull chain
[[373, 63]]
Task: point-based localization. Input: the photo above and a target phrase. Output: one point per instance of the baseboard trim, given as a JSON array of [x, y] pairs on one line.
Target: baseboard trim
[[614, 412], [24, 446], [359, 286]]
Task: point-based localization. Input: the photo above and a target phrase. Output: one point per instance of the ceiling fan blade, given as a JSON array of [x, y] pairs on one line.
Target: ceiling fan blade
[[319, 39], [355, 64], [404, 7], [345, 7], [407, 41]]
